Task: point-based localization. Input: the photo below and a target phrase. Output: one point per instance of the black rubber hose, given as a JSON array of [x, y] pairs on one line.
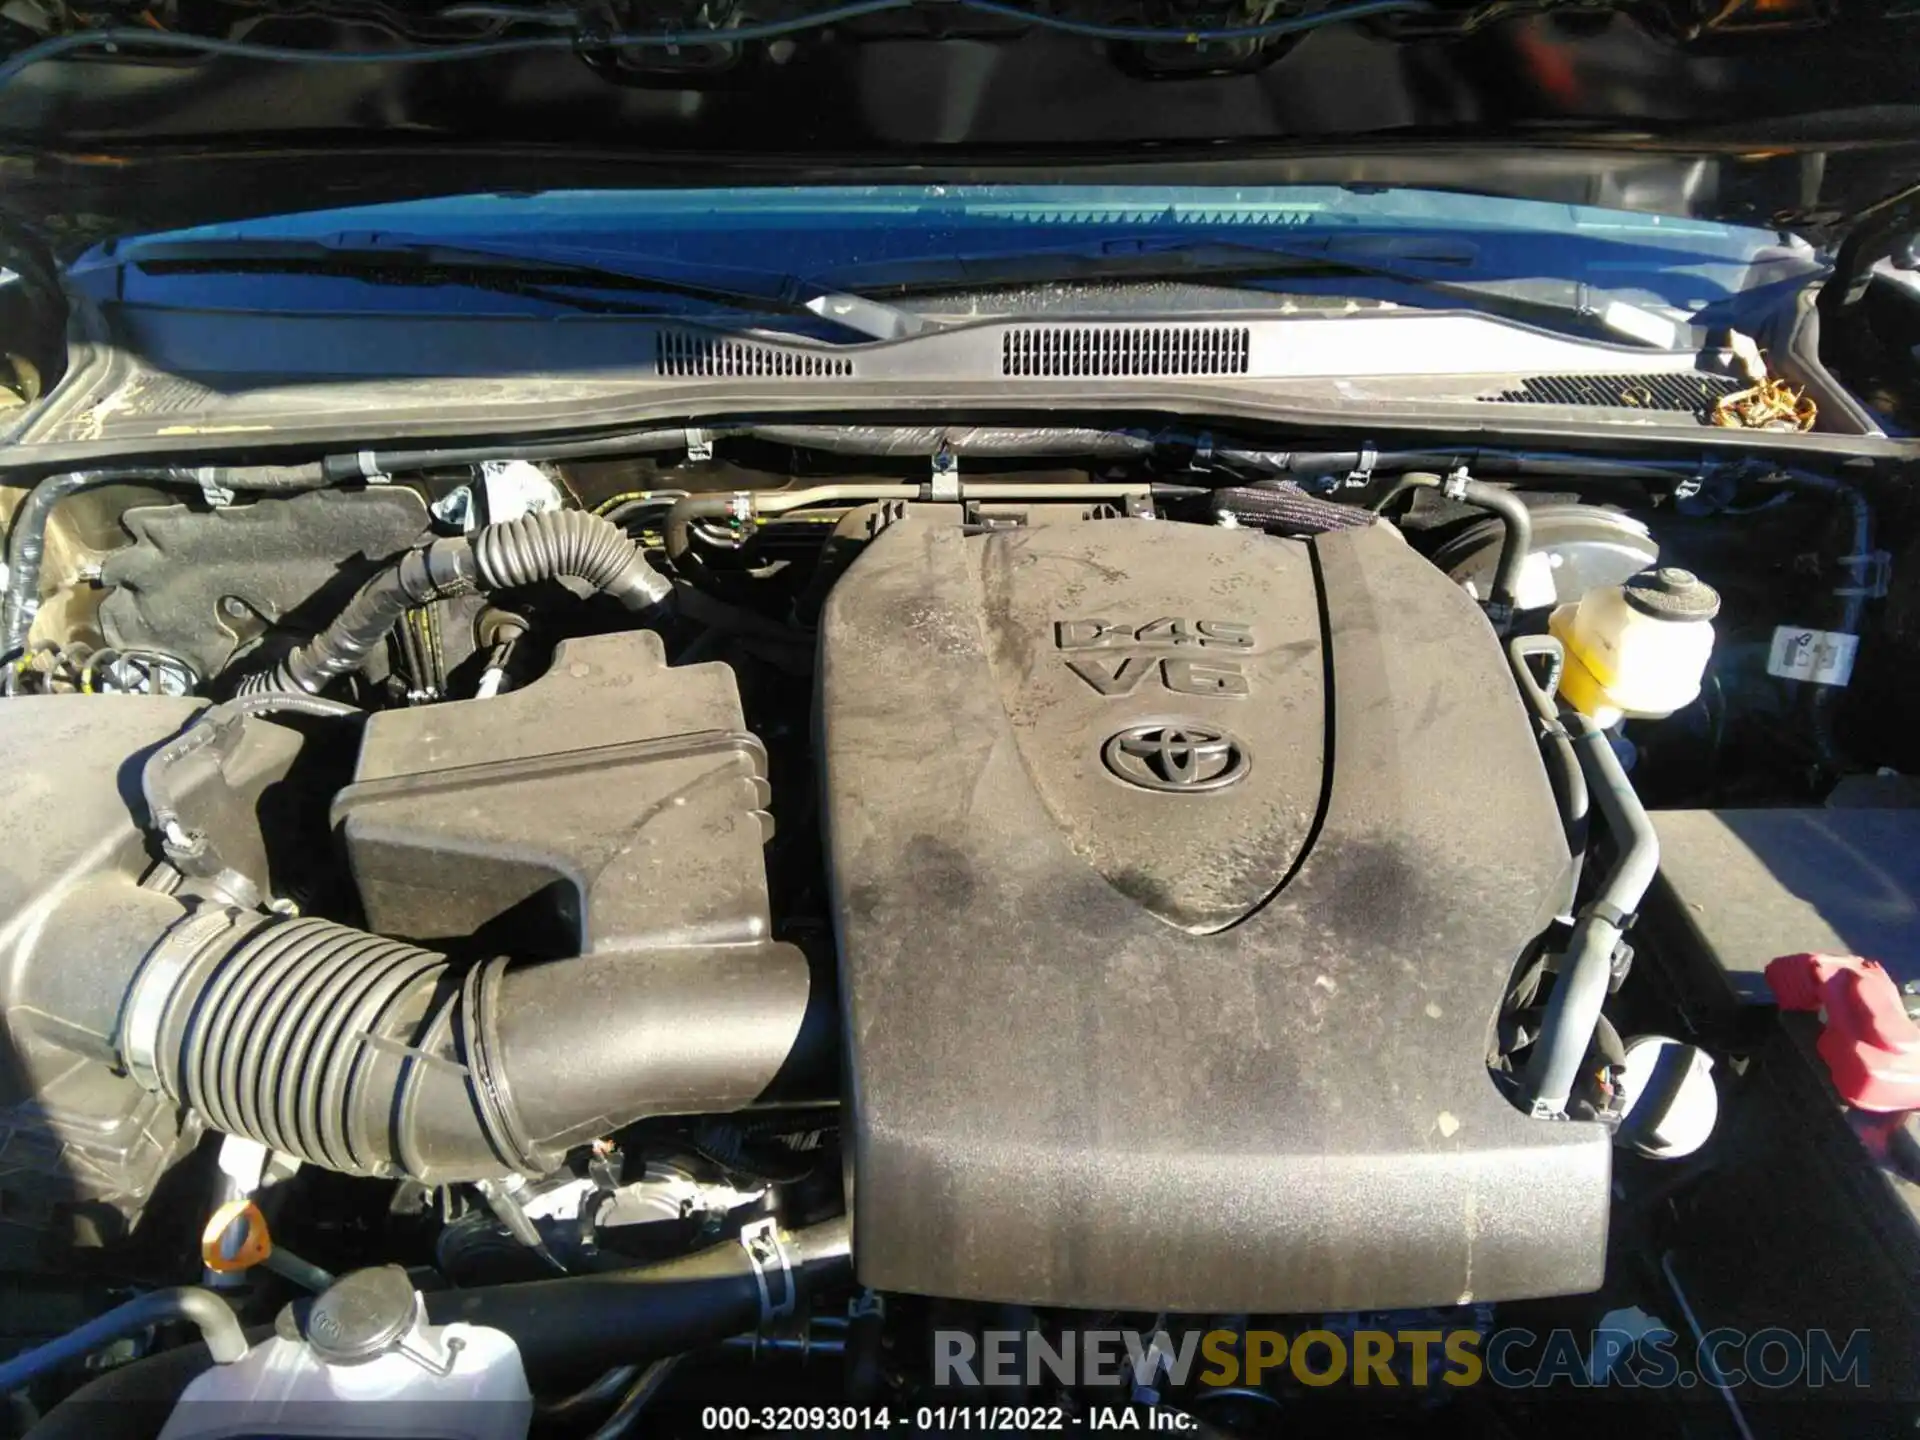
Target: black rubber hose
[[27, 536], [1563, 765], [585, 1324], [1513, 515], [131, 1401], [578, 1406], [880, 441], [634, 1403], [443, 568], [561, 544], [1586, 968], [1383, 463], [226, 1342], [1853, 598], [377, 464], [373, 1057], [676, 530]]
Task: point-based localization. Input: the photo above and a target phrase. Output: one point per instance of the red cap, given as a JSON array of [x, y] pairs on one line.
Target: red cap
[[1871, 1046]]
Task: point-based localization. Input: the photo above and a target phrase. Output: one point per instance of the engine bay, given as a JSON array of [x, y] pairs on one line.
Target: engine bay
[[786, 901]]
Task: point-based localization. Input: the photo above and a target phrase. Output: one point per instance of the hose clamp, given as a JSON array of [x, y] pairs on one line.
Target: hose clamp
[[492, 1099], [1608, 914], [151, 994], [1362, 473], [761, 1241], [1454, 487], [217, 495]]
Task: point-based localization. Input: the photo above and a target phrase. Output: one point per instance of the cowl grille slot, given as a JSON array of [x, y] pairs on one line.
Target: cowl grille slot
[[682, 355], [1126, 350], [1692, 394]]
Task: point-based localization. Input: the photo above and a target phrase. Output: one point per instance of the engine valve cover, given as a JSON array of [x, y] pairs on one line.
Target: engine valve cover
[[1179, 874]]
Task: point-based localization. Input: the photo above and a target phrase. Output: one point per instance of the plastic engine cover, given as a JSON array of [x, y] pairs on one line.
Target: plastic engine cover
[[1179, 874]]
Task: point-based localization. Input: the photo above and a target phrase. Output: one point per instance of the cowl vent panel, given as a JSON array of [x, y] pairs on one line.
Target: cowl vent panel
[[681, 355], [1093, 350]]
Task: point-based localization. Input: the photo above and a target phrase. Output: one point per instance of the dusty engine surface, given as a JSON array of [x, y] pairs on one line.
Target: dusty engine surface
[[1178, 876], [603, 825]]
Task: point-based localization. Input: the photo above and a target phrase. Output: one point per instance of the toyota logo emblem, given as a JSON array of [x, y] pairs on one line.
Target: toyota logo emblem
[[1178, 757]]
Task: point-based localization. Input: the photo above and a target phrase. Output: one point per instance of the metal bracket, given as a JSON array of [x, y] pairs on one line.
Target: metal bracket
[[761, 1241], [944, 486]]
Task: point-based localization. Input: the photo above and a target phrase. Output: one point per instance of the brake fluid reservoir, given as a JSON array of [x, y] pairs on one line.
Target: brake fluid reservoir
[[1637, 650], [364, 1362]]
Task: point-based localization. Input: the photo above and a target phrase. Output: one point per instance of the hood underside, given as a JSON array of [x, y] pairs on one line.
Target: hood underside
[[1782, 114]]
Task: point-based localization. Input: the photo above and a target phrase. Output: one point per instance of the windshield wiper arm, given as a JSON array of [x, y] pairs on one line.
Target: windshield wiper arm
[[1152, 257], [1411, 260], [546, 275]]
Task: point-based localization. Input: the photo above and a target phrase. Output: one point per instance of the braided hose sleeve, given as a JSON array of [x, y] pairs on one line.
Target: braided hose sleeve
[[1287, 508]]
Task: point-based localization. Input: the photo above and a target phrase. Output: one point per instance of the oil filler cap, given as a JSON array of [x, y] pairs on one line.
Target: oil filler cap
[[363, 1315], [1670, 593]]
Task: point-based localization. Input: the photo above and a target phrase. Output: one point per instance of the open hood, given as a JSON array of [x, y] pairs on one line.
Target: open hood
[[1786, 113]]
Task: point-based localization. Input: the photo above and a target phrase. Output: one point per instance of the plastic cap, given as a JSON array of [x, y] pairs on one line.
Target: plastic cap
[[1671, 1102], [1670, 593], [363, 1314], [1870, 1044]]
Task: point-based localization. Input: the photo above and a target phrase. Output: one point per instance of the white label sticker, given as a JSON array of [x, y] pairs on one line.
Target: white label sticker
[[1823, 656]]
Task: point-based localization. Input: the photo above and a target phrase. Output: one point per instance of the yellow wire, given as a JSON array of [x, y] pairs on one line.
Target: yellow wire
[[605, 505]]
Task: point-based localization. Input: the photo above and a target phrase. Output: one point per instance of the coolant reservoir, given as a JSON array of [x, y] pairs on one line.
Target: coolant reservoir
[[365, 1362], [1637, 650]]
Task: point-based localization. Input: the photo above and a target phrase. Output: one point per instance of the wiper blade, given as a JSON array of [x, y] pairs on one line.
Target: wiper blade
[[1157, 254], [1441, 265], [554, 275]]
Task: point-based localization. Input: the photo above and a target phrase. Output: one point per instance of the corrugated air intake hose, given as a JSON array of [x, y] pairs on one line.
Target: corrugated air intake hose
[[560, 544], [371, 1056]]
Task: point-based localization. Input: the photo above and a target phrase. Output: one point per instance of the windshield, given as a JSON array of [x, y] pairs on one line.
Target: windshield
[[849, 236]]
